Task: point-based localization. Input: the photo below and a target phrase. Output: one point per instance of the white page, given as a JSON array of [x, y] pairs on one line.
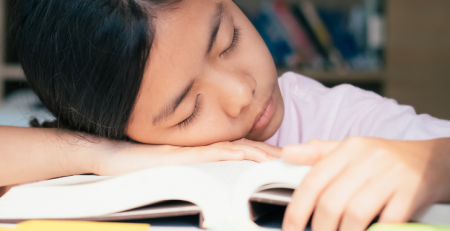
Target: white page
[[274, 172], [69, 180], [228, 172], [104, 197], [206, 185]]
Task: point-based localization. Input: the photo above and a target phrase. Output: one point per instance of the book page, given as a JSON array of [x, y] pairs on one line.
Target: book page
[[91, 196], [69, 180], [207, 185], [274, 196], [274, 174], [227, 172]]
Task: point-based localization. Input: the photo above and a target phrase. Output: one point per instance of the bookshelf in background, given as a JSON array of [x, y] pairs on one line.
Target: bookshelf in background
[[330, 42], [10, 69], [303, 43], [414, 60]]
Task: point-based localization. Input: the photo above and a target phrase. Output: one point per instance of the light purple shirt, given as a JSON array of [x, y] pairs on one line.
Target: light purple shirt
[[313, 111]]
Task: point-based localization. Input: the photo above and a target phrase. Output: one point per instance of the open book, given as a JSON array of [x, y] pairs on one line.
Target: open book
[[220, 192]]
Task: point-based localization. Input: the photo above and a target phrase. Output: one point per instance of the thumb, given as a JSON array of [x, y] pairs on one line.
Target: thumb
[[309, 153]]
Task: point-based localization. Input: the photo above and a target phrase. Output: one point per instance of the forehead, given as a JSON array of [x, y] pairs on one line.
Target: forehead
[[177, 53], [180, 39]]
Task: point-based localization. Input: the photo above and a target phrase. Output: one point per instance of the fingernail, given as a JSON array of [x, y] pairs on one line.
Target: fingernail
[[289, 227]]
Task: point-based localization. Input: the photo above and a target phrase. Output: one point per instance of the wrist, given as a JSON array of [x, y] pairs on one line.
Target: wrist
[[102, 154], [89, 153]]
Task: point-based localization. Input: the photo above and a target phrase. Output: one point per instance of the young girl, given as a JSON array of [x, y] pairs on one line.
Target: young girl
[[185, 81]]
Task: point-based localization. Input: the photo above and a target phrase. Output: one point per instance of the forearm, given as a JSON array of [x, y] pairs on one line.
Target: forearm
[[33, 154]]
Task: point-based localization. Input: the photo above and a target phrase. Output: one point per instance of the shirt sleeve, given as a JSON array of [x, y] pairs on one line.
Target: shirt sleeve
[[388, 119], [343, 111]]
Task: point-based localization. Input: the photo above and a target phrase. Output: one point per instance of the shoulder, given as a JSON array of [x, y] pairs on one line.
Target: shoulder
[[302, 86], [298, 81]]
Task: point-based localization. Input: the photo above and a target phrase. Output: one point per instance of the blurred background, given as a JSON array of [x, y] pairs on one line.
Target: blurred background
[[397, 48]]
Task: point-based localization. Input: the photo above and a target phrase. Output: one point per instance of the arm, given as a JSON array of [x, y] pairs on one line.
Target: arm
[[355, 180], [33, 154]]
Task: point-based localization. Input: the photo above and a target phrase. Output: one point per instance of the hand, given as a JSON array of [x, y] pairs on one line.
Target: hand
[[355, 180], [52, 153], [128, 157], [272, 151]]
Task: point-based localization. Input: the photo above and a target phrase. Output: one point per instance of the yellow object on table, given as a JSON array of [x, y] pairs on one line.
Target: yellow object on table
[[408, 227], [76, 226]]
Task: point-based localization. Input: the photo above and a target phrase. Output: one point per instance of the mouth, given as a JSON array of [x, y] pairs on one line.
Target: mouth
[[264, 117]]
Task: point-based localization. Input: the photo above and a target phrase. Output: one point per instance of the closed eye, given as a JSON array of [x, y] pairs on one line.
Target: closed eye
[[185, 123], [234, 43]]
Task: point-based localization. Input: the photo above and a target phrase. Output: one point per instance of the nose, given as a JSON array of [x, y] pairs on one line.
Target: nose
[[236, 92]]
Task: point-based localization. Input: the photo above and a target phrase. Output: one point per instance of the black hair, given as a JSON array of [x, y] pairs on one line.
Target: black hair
[[85, 59]]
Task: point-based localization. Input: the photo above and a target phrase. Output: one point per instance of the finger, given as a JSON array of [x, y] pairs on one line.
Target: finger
[[210, 154], [308, 153], [410, 196], [368, 203], [272, 150], [399, 208], [334, 200], [251, 153], [184, 156], [306, 195]]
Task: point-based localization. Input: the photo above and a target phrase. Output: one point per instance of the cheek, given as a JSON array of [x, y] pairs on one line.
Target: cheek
[[260, 52], [214, 126], [254, 52]]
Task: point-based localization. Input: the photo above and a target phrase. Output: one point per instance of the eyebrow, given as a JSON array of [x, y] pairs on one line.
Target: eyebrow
[[216, 22], [170, 109]]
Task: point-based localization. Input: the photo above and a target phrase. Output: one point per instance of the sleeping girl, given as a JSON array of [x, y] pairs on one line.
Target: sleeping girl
[[135, 84]]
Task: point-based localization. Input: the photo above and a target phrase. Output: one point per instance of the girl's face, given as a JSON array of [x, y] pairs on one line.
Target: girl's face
[[209, 78]]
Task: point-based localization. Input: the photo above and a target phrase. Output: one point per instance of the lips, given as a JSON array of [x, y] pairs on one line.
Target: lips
[[264, 117]]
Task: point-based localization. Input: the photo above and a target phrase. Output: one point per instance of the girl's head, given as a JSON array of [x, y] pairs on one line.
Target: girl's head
[[179, 72]]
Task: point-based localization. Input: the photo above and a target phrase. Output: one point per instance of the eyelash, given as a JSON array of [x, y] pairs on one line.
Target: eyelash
[[234, 43], [232, 47], [188, 121]]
